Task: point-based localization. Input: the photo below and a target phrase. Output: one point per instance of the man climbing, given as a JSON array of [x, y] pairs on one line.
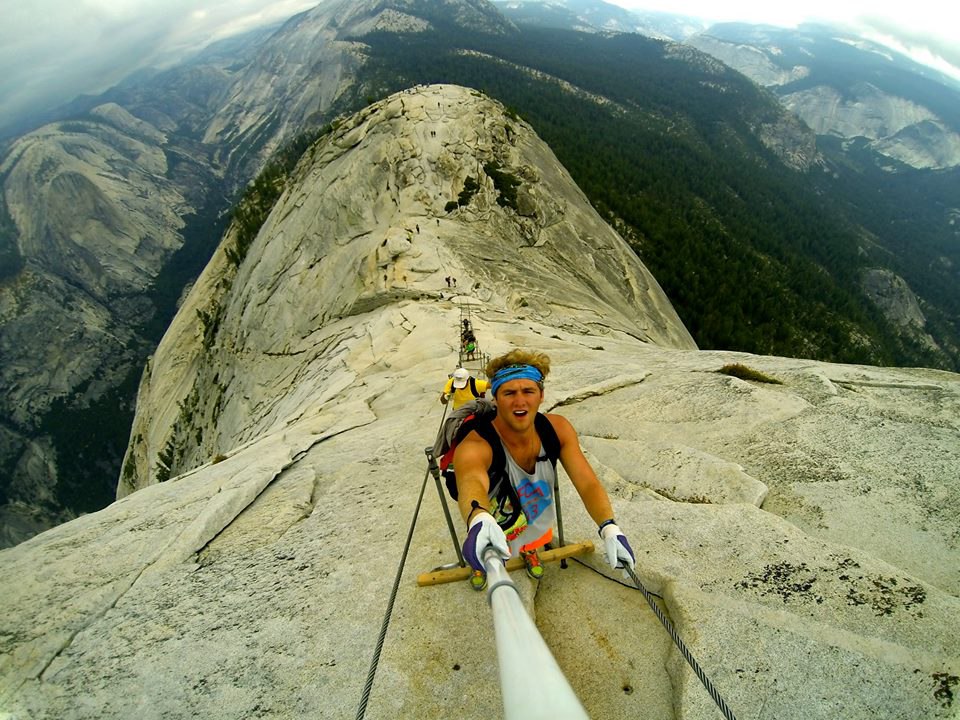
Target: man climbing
[[493, 517], [463, 387]]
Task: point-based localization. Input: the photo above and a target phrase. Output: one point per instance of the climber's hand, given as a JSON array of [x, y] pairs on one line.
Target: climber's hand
[[619, 553], [484, 533]]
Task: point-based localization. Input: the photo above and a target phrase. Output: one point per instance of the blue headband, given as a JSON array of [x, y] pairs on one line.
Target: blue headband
[[514, 372]]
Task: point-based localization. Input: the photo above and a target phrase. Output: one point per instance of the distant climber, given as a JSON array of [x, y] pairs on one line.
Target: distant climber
[[468, 341], [462, 387], [489, 505], [469, 346]]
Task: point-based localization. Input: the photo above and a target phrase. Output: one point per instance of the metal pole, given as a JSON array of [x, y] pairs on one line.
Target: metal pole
[[435, 471], [523, 655], [556, 499]]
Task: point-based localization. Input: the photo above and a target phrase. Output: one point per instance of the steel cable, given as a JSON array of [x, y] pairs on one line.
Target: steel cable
[[368, 686], [688, 656]]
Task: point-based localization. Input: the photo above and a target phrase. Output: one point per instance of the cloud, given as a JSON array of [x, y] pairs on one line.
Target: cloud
[[54, 50], [928, 47], [62, 50]]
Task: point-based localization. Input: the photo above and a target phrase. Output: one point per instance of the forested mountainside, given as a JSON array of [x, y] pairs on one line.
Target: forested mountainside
[[756, 254]]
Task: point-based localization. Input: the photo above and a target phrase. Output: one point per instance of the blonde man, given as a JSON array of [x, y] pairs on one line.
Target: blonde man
[[489, 504]]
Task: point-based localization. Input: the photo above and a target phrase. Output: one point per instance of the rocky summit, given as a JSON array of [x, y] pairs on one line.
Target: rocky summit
[[796, 519]]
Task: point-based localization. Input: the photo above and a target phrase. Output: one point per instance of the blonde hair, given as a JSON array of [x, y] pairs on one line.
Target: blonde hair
[[537, 359]]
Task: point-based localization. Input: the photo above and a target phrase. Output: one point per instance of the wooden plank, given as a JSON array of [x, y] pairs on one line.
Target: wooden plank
[[436, 577]]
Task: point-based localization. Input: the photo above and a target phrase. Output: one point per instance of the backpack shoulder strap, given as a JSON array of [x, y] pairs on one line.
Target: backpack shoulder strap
[[548, 437], [473, 386], [486, 430]]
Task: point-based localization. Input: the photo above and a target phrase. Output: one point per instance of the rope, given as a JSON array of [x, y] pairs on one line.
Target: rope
[[688, 656], [368, 686]]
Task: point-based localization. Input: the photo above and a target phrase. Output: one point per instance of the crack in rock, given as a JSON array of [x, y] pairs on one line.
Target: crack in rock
[[604, 388]]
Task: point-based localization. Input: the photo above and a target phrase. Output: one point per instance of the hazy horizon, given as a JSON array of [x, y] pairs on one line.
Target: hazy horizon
[[52, 51]]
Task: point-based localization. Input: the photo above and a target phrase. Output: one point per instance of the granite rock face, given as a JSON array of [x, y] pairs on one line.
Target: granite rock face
[[97, 218], [368, 222], [803, 535], [896, 300], [305, 67]]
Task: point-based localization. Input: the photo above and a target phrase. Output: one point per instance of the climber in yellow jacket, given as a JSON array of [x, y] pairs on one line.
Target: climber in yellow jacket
[[463, 387]]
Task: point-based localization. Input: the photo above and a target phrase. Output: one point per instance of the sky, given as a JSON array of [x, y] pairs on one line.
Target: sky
[[53, 50], [926, 30]]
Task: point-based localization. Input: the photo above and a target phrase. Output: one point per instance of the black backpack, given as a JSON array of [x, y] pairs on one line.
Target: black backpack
[[478, 415]]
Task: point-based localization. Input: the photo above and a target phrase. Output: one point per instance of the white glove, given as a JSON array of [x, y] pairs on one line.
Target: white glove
[[618, 549], [484, 533]]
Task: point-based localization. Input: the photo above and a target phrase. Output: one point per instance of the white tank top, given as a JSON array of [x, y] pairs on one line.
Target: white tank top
[[536, 499]]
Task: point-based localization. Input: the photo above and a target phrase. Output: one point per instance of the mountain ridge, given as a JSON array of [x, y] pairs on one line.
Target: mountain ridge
[[378, 262], [842, 85]]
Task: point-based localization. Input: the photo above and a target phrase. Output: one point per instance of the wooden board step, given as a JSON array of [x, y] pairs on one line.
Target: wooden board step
[[437, 577]]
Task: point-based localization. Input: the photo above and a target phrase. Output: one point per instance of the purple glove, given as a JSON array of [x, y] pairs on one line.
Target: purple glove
[[618, 549], [484, 533]]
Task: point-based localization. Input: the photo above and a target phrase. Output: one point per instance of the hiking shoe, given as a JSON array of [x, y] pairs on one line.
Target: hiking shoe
[[478, 581], [532, 561]]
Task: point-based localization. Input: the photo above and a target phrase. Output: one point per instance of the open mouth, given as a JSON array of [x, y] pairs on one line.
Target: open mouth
[[520, 413]]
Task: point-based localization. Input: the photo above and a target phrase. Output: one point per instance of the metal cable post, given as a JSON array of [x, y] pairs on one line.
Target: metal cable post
[[435, 471], [556, 499]]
